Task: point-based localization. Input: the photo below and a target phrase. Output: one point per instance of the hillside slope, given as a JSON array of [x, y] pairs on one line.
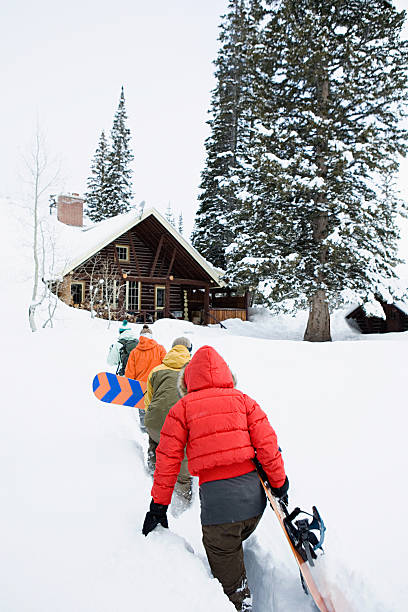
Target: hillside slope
[[74, 488]]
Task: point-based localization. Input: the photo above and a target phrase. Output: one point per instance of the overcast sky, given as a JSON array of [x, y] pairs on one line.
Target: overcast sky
[[65, 62]]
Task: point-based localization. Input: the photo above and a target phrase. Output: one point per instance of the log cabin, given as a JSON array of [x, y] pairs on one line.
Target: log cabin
[[139, 267]]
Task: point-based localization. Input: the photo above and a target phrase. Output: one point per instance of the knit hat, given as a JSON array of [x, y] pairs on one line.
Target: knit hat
[[146, 331], [125, 326], [184, 342]]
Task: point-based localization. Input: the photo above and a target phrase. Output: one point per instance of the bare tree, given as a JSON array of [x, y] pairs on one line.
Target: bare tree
[[105, 288], [39, 180], [50, 277], [95, 287], [111, 288]]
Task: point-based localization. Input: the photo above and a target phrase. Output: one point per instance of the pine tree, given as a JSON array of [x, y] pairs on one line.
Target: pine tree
[[230, 125], [181, 224], [170, 215], [330, 89], [120, 157], [96, 197]]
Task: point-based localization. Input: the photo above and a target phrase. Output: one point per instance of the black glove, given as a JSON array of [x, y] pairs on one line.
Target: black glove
[[157, 514], [282, 492]]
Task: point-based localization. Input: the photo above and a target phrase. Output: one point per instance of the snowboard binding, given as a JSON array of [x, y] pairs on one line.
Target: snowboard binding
[[302, 532]]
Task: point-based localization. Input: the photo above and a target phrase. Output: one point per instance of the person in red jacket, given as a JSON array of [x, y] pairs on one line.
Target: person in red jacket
[[223, 429]]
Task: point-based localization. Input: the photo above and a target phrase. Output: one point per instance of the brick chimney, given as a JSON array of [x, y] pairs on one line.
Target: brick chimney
[[70, 209]]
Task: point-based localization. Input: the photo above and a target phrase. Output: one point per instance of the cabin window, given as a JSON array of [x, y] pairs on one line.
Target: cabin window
[[123, 252], [77, 293], [132, 296]]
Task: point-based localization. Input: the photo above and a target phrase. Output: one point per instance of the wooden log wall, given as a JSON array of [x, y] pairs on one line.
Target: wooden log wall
[[222, 314]]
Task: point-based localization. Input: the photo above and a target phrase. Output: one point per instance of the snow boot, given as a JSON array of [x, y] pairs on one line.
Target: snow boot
[[242, 598], [182, 497], [151, 455]]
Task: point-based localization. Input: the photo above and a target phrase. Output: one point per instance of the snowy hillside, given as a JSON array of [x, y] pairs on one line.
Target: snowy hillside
[[74, 489]]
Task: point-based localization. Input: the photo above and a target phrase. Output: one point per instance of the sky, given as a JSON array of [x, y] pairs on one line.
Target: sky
[[62, 66]]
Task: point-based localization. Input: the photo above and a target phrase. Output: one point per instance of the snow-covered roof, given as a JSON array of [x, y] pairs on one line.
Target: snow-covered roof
[[83, 243], [402, 305]]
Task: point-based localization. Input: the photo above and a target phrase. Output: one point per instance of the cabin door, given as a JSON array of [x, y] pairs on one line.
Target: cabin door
[[159, 301], [77, 293]]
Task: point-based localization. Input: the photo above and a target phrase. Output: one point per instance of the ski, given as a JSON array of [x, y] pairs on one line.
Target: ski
[[113, 389], [303, 542]]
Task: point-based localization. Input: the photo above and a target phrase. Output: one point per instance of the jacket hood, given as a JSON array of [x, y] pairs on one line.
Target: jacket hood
[[206, 369], [177, 357], [146, 343]]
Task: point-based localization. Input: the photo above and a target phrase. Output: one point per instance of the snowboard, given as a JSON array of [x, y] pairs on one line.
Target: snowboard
[[305, 555], [113, 389]]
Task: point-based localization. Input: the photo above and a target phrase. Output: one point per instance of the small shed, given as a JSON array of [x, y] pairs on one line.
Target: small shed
[[395, 319]]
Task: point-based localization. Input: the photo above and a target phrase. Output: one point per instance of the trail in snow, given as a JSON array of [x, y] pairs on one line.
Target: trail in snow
[[274, 587]]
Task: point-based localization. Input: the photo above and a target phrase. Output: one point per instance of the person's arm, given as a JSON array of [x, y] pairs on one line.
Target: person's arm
[[113, 355], [130, 367], [149, 391], [170, 454], [264, 440]]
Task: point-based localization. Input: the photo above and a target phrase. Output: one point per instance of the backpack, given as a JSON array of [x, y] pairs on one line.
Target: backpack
[[128, 344]]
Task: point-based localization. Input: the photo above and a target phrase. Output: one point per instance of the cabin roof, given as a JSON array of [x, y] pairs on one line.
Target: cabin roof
[[88, 241]]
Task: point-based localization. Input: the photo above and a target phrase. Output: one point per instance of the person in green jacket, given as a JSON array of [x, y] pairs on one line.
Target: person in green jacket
[[161, 395]]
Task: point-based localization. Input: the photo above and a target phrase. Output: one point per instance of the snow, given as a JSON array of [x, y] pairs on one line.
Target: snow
[[374, 309], [348, 156], [284, 163], [75, 491], [317, 181]]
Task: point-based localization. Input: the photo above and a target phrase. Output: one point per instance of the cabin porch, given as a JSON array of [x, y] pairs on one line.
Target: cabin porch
[[145, 300]]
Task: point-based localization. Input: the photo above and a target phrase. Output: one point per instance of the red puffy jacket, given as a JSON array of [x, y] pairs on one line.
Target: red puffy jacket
[[221, 426]]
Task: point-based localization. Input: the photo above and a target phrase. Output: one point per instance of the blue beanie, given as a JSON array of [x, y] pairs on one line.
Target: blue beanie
[[125, 325]]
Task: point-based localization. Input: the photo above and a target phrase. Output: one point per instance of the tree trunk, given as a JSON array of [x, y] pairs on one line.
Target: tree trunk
[[36, 173], [31, 317], [318, 325]]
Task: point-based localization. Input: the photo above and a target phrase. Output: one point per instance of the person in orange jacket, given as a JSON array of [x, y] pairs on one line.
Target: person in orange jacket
[[147, 355]]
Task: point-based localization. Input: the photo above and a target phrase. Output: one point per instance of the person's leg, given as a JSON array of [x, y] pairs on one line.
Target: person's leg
[[141, 419], [223, 546], [184, 482], [249, 527], [151, 452]]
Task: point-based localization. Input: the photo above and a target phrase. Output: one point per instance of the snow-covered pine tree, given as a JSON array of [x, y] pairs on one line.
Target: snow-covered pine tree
[[230, 129], [170, 215], [330, 90], [119, 160], [180, 224], [96, 197]]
